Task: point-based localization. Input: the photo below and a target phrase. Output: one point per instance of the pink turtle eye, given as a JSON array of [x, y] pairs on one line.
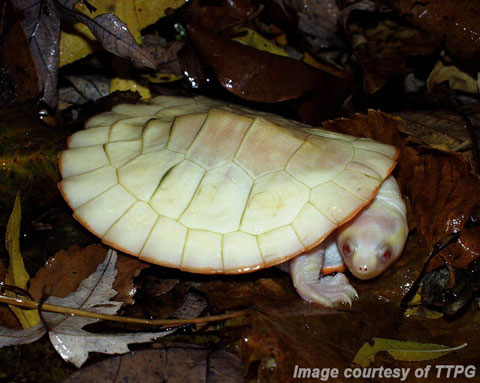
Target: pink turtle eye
[[346, 249], [387, 254]]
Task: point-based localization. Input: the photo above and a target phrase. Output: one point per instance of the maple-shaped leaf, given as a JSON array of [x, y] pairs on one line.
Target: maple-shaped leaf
[[66, 332]]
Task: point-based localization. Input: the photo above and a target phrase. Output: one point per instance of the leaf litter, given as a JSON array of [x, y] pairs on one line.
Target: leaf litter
[[277, 334], [66, 333], [41, 25]]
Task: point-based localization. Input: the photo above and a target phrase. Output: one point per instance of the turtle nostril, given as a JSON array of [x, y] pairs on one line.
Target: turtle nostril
[[363, 268]]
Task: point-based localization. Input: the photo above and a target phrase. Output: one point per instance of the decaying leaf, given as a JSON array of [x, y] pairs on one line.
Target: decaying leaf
[[66, 333], [454, 24], [178, 363], [401, 350], [85, 88], [78, 264], [16, 274], [41, 25], [457, 80], [110, 31], [385, 51], [77, 41], [193, 306], [440, 128]]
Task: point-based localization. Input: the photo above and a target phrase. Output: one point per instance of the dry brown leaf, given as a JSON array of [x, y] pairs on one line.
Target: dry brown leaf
[[62, 273], [440, 128]]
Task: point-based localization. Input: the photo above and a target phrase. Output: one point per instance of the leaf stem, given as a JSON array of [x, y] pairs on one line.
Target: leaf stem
[[88, 314]]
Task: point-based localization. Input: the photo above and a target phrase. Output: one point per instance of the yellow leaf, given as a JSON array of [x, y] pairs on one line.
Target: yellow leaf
[[253, 39], [131, 85], [125, 10], [16, 273], [401, 350], [457, 80], [158, 78], [150, 11], [76, 43]]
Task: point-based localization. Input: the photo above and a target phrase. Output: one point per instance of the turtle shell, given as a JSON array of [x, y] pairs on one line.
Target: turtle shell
[[208, 187]]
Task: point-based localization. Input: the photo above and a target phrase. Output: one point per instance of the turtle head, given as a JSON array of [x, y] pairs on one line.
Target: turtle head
[[372, 241]]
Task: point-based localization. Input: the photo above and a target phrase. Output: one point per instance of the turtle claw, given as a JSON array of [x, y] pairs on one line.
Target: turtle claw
[[328, 291]]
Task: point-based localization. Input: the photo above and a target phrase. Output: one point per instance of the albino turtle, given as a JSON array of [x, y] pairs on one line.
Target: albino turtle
[[208, 187]]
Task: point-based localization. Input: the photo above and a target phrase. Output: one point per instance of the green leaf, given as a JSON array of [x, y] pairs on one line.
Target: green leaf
[[16, 273], [401, 350]]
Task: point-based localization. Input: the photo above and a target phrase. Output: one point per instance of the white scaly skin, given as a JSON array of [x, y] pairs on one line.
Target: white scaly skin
[[368, 244]]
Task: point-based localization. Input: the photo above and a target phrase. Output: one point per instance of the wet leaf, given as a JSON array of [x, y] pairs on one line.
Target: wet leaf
[[41, 26], [66, 333], [77, 41], [401, 350], [177, 364], [16, 274], [111, 32], [63, 273], [455, 24], [260, 76], [125, 10], [253, 39], [150, 11], [223, 16]]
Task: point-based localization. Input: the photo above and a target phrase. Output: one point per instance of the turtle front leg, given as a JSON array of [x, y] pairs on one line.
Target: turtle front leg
[[328, 291]]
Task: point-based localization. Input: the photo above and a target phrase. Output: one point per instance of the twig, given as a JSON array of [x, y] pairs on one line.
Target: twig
[[88, 314]]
